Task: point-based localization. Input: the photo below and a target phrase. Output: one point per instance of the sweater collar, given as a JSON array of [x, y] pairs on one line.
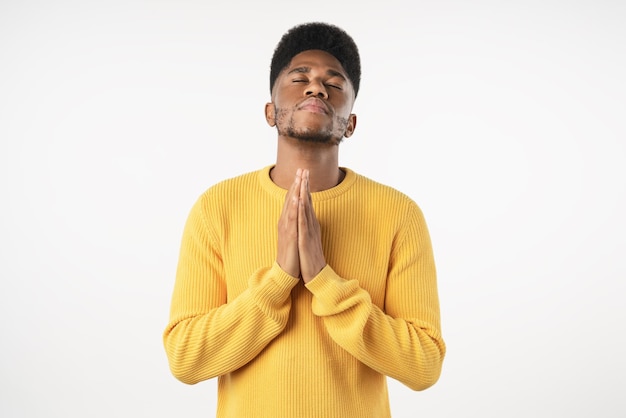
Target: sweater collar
[[279, 193]]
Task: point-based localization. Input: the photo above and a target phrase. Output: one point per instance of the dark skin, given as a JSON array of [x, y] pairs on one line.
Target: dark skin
[[311, 107]]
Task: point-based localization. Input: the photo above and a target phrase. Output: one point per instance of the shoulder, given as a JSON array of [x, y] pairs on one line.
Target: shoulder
[[389, 200], [381, 191], [242, 183], [235, 182], [227, 193]]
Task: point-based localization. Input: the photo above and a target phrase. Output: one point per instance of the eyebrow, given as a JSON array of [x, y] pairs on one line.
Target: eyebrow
[[304, 70]]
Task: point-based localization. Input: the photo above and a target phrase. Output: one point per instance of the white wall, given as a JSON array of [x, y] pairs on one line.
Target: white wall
[[503, 120]]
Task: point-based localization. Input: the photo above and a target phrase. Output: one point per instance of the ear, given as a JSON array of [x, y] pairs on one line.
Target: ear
[[351, 125], [270, 114]]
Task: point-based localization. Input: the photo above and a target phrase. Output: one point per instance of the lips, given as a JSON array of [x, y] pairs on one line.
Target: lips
[[314, 105]]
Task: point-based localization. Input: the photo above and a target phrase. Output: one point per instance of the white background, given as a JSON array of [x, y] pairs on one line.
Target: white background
[[503, 120]]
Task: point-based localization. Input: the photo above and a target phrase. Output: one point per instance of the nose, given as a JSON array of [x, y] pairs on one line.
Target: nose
[[317, 89]]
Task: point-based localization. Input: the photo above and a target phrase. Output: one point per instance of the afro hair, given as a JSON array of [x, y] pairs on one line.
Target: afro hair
[[322, 36]]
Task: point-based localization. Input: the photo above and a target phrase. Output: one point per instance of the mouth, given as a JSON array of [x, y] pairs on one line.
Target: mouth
[[314, 105]]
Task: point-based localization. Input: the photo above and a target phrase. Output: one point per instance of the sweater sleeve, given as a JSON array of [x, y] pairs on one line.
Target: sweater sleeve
[[404, 340], [206, 336]]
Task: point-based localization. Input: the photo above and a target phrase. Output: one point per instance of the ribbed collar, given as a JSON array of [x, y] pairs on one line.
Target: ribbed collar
[[279, 193]]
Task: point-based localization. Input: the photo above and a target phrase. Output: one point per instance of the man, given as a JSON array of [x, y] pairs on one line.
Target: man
[[301, 286]]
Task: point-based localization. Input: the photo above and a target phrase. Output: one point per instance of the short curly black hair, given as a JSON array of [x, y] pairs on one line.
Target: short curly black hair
[[322, 36]]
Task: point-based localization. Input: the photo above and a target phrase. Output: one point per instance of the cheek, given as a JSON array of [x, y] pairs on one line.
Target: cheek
[[343, 112], [343, 105], [284, 96], [283, 116]]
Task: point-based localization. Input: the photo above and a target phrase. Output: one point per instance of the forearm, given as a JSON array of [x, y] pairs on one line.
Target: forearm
[[409, 350], [203, 344]]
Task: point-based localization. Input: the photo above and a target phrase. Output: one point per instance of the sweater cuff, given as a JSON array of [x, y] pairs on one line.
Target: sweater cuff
[[333, 294], [271, 287], [283, 279], [326, 279]]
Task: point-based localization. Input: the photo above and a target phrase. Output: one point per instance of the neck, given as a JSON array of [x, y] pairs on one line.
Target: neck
[[322, 161]]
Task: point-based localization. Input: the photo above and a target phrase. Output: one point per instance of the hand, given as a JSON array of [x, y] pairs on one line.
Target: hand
[[287, 256], [310, 251]]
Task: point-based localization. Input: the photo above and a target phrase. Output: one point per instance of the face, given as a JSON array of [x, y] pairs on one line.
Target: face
[[312, 99]]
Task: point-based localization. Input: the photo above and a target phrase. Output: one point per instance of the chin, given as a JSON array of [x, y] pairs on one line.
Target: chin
[[310, 135], [321, 137], [317, 139]]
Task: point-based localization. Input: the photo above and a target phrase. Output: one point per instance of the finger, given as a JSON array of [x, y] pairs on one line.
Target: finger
[[305, 199], [287, 255], [291, 198], [308, 190], [304, 184], [295, 186]]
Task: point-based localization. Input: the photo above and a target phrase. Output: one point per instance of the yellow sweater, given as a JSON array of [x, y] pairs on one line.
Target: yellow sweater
[[281, 349]]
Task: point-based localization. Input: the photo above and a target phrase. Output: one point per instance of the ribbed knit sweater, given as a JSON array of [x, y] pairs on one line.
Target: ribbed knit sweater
[[283, 349]]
